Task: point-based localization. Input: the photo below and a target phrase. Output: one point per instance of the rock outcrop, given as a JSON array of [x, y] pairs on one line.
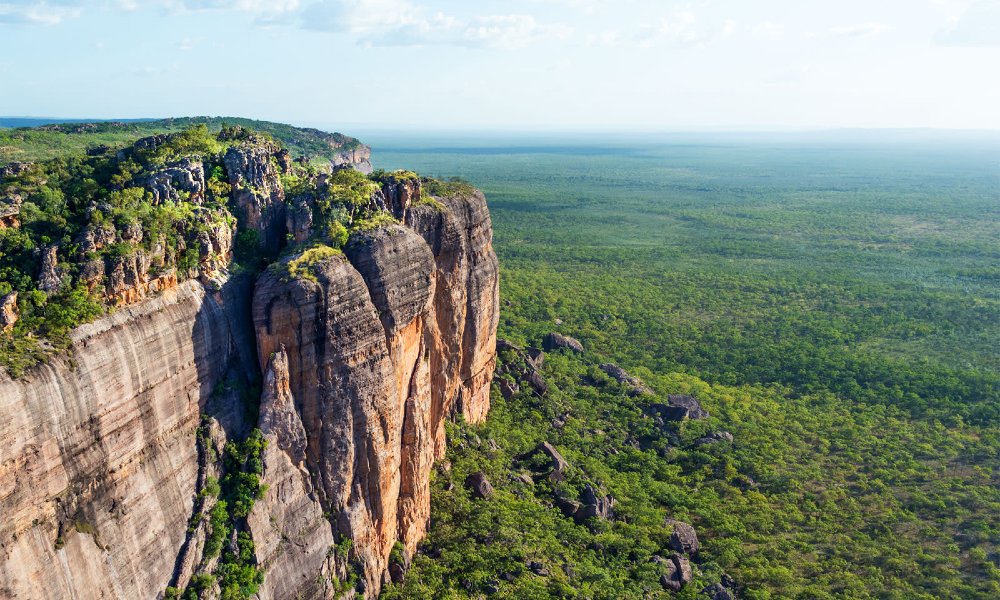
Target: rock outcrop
[[557, 341], [714, 437], [362, 336], [636, 385], [361, 356], [183, 180], [257, 192], [9, 313], [50, 276]]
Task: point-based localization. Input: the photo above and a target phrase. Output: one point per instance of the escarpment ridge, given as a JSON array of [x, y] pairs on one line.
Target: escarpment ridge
[[256, 404]]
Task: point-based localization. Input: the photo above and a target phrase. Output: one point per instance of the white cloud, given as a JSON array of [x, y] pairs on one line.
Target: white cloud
[[979, 25], [587, 7], [249, 6], [371, 22], [37, 13], [605, 39], [51, 12], [860, 30], [402, 23], [768, 30], [684, 28]]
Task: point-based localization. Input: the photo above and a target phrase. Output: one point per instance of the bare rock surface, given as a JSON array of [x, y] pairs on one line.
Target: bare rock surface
[[622, 376], [558, 341], [683, 539], [9, 313], [479, 485], [257, 192], [105, 437], [462, 334], [291, 534], [382, 344], [183, 180]]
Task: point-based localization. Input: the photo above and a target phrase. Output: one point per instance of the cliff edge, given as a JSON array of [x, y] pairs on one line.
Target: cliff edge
[[264, 431]]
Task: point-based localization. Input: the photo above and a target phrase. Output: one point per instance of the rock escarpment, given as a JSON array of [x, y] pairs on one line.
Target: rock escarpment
[[109, 452], [382, 343]]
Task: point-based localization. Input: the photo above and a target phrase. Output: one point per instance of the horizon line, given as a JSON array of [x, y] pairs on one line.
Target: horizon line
[[525, 128]]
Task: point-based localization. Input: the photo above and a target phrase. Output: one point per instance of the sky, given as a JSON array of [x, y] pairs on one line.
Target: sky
[[629, 65]]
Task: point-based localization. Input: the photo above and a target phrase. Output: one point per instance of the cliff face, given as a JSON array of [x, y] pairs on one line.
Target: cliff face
[[380, 345], [97, 461], [361, 354]]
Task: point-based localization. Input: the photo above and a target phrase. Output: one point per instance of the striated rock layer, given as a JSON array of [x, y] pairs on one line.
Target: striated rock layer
[[362, 356], [380, 345], [98, 462]]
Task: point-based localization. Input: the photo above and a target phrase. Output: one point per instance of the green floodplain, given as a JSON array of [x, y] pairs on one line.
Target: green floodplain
[[832, 301]]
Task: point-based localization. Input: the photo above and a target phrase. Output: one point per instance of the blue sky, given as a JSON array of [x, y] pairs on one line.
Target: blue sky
[[514, 64]]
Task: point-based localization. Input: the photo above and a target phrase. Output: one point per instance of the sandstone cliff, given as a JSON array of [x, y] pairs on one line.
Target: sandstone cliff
[[108, 453], [97, 462]]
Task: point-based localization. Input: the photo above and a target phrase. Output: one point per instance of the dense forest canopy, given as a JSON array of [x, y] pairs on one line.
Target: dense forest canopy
[[832, 305]]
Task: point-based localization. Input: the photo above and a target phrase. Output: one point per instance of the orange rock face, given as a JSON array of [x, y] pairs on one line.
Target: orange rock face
[[382, 345]]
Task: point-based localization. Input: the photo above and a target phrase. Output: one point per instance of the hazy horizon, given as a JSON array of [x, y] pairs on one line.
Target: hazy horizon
[[11, 121]]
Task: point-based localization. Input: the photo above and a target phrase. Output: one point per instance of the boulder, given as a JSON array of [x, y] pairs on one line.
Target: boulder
[[678, 408], [537, 383], [479, 485], [594, 505], [717, 591], [683, 539], [689, 403], [556, 460], [683, 565], [675, 572], [622, 376], [535, 356], [508, 389], [714, 437], [557, 341]]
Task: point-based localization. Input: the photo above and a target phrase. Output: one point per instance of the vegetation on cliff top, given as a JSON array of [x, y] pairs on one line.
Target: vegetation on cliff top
[[140, 212], [39, 143]]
